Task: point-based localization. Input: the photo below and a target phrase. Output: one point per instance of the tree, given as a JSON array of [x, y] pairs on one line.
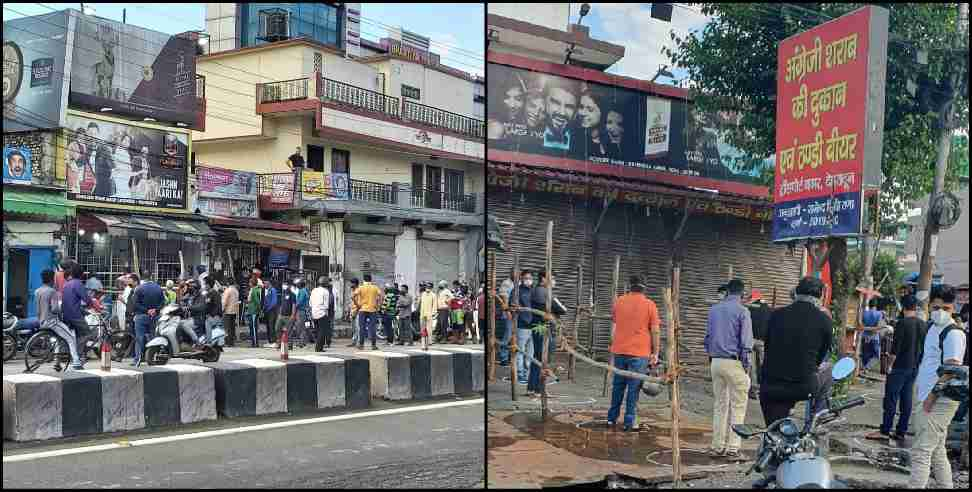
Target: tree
[[748, 35], [885, 269]]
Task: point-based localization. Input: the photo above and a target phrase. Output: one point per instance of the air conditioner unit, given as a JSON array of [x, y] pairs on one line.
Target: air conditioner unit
[[274, 25]]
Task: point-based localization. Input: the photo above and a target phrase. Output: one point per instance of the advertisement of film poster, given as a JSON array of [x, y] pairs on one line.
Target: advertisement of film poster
[[829, 125], [226, 193], [119, 163]]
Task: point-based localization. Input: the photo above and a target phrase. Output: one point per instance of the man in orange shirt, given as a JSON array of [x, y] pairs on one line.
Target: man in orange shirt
[[637, 340]]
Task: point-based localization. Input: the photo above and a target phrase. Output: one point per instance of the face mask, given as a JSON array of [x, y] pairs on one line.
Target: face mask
[[528, 283], [286, 287], [941, 317]]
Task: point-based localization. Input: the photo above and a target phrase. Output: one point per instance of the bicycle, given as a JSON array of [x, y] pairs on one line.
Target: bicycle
[[47, 344]]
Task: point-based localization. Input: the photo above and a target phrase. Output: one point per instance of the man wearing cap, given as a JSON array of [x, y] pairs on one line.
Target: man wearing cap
[[636, 341], [759, 312], [729, 341]]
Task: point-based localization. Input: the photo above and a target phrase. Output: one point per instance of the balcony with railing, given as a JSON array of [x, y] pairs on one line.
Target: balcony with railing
[[443, 200], [445, 120], [358, 98], [282, 91]]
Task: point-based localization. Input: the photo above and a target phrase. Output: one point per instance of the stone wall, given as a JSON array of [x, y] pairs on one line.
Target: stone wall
[[43, 149]]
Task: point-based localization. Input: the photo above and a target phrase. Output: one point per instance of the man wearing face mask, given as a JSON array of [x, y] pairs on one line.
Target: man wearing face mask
[[944, 345], [522, 296]]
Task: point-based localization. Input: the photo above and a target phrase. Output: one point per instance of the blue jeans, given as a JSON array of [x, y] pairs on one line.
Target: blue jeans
[[143, 327], [367, 323], [504, 331], [386, 324], [254, 321], [962, 412], [870, 348], [533, 381], [899, 386], [622, 384], [524, 342]]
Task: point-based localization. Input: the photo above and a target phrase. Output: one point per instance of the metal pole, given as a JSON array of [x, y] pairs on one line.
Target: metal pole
[[493, 346], [513, 313], [548, 323], [571, 361], [615, 279], [946, 121]]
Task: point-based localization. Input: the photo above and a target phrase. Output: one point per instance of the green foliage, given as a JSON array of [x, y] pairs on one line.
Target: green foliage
[[884, 264], [733, 63]]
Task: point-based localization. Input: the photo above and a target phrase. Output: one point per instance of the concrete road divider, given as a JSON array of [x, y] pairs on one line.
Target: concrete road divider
[[250, 387], [432, 373], [178, 394], [122, 399], [316, 382], [391, 374], [470, 370], [32, 407]]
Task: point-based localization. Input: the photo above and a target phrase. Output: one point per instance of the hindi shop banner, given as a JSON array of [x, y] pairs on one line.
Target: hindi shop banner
[[222, 207], [126, 164], [322, 186], [215, 182], [277, 191], [829, 125], [544, 114]]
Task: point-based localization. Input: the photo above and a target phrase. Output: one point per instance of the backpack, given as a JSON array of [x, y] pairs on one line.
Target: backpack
[[941, 344]]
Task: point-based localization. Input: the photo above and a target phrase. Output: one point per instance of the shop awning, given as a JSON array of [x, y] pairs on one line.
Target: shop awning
[[280, 239], [36, 203], [143, 227]]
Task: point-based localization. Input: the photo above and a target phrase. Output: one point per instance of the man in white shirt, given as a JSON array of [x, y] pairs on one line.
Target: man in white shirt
[[928, 452], [505, 333], [320, 302]]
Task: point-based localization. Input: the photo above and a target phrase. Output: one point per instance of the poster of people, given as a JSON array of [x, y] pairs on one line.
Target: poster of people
[[16, 165], [120, 163], [34, 92], [133, 70], [538, 113]]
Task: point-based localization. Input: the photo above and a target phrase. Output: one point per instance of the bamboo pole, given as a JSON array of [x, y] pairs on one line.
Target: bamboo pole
[[493, 346], [614, 296], [571, 361], [514, 303], [672, 299], [548, 323]]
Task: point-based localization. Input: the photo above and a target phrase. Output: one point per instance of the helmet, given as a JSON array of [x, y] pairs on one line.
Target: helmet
[[323, 280], [93, 284], [9, 320], [443, 284]]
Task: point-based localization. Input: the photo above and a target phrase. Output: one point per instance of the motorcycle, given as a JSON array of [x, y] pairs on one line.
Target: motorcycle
[[790, 457], [170, 342]]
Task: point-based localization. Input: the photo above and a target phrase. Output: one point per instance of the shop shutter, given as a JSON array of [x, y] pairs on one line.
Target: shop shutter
[[370, 253], [437, 260]]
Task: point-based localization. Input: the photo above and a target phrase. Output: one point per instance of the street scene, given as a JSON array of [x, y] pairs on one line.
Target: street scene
[[244, 245], [727, 246]]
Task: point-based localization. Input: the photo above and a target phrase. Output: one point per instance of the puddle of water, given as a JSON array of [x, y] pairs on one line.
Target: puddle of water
[[493, 442], [588, 436]]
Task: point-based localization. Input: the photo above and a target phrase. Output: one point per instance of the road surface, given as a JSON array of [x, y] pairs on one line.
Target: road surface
[[431, 444]]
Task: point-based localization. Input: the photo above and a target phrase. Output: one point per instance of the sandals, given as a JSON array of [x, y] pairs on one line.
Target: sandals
[[877, 436]]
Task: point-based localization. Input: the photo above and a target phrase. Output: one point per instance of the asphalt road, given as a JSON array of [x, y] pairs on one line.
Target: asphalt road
[[437, 444]]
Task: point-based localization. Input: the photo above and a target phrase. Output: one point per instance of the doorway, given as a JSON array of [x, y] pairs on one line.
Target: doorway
[[16, 282], [315, 158], [433, 195]]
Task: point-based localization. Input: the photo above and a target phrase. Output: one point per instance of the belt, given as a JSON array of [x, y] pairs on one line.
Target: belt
[[734, 357]]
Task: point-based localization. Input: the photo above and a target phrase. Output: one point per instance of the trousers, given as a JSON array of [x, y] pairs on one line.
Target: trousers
[[730, 386], [928, 453], [626, 389]]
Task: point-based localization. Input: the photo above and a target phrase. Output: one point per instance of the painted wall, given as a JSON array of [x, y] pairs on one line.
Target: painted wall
[[438, 89], [551, 15]]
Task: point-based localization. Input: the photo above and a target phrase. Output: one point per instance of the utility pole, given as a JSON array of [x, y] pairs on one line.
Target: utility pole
[[946, 119]]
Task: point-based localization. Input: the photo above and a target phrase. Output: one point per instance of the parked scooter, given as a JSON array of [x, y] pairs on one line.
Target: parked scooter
[[791, 458], [170, 342]]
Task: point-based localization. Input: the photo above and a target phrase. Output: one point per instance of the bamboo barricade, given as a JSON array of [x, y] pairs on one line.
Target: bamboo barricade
[[493, 346], [548, 323], [615, 278], [671, 304], [515, 302], [571, 361]]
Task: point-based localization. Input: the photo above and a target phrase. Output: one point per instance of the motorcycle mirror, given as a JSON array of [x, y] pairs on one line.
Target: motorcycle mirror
[[745, 430], [843, 368]]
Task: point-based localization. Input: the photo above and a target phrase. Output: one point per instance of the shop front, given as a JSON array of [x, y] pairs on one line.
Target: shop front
[[273, 247], [154, 247]]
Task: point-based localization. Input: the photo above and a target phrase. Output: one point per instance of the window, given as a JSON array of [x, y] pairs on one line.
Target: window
[[411, 92], [455, 184], [341, 161]]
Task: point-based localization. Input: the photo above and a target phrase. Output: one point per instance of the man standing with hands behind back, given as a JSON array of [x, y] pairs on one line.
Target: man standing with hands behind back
[[729, 342], [636, 343]]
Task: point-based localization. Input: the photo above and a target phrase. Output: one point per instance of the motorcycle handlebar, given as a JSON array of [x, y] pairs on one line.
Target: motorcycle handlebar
[[856, 402]]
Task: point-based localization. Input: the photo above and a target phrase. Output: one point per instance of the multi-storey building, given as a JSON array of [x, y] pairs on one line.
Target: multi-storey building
[[394, 182]]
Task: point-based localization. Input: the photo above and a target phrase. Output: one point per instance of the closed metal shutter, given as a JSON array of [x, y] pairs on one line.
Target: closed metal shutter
[[711, 244], [370, 253], [437, 260]]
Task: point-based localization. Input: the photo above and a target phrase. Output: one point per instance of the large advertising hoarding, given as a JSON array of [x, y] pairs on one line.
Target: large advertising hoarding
[[121, 163], [226, 193], [134, 71], [549, 115], [829, 125], [36, 52]]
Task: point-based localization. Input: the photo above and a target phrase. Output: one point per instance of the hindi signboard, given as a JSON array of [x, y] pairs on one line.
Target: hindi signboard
[[829, 125]]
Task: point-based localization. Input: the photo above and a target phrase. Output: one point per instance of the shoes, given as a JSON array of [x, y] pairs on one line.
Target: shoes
[[360, 346], [521, 381], [877, 436], [352, 344], [629, 428], [374, 347], [411, 344]]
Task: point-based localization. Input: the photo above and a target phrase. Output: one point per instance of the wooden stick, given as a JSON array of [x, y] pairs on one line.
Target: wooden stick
[[514, 302], [571, 361], [492, 317], [548, 323], [672, 299], [614, 297]]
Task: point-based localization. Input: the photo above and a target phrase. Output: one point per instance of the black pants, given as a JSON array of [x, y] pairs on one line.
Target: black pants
[[775, 408], [271, 317], [405, 331], [325, 329], [442, 325], [229, 324], [389, 329]]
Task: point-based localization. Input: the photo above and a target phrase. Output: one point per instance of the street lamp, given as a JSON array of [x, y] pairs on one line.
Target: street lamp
[[662, 71], [584, 10]]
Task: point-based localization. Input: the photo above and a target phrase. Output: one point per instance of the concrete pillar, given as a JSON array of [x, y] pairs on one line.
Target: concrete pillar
[[406, 258]]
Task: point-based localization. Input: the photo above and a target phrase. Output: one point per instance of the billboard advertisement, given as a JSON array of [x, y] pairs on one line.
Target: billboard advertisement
[[324, 186], [36, 52], [134, 71], [226, 193], [549, 115], [829, 125], [277, 191], [115, 162]]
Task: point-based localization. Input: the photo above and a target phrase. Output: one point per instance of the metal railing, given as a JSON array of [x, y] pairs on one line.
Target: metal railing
[[359, 98], [374, 192], [443, 200], [284, 90], [440, 118]]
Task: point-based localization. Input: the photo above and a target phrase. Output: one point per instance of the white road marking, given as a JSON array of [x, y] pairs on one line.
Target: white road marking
[[239, 430]]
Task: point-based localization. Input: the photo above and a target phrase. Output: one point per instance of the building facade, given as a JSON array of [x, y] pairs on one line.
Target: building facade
[[393, 184], [615, 163]]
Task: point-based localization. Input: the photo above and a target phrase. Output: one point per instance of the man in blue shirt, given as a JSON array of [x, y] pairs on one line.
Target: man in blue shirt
[[524, 322], [73, 301], [147, 300], [729, 341], [271, 306], [871, 322]]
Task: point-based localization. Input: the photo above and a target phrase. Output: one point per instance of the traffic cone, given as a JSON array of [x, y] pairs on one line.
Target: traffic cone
[[105, 356], [283, 345]]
